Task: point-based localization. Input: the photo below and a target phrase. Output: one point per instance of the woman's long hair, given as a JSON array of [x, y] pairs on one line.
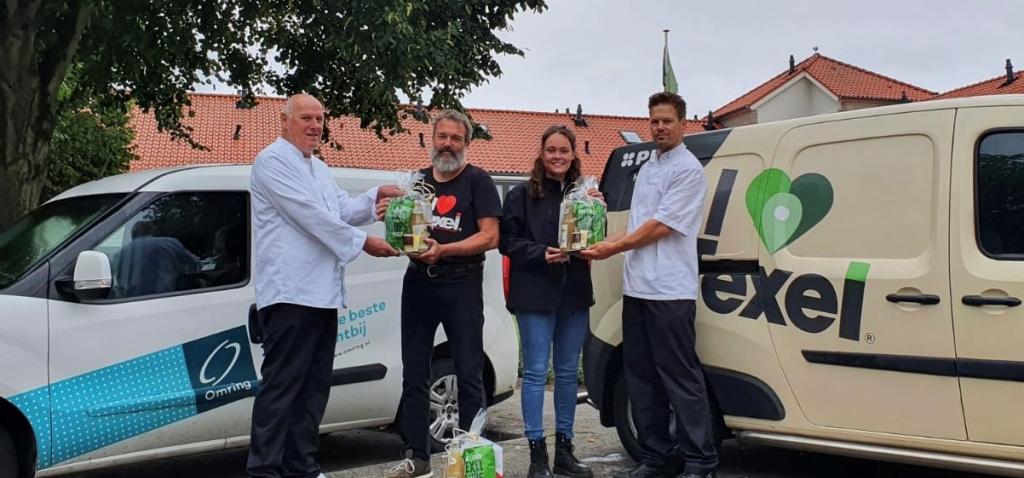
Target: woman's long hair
[[537, 175]]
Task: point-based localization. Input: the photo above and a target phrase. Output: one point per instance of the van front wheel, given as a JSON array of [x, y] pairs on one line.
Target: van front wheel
[[624, 421], [8, 457], [444, 403], [627, 429]]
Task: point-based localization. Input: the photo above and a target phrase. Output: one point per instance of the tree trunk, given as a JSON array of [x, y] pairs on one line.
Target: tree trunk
[[29, 81]]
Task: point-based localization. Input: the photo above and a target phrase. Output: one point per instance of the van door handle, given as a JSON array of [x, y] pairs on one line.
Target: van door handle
[[923, 299], [980, 300]]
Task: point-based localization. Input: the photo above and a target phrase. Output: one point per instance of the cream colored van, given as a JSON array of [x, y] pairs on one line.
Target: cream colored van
[[861, 283]]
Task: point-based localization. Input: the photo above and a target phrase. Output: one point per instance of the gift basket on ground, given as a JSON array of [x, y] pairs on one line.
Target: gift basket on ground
[[469, 455], [582, 219], [407, 217]]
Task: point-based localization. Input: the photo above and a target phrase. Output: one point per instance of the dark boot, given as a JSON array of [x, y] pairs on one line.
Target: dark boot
[[565, 462], [539, 459]]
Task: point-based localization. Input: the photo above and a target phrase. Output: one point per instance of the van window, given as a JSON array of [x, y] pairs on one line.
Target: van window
[[1000, 195], [46, 228], [180, 242]]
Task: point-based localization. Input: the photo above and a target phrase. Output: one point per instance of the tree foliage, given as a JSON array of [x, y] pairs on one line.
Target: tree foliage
[[92, 139], [356, 55]]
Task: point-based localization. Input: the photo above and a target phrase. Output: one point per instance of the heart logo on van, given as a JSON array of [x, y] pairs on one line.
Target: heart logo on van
[[784, 210]]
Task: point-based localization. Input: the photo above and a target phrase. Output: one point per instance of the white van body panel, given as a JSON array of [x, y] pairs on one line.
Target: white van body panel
[[125, 375]]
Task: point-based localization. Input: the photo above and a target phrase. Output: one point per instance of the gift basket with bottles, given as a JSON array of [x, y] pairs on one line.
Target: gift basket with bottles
[[582, 218], [469, 455], [408, 216]]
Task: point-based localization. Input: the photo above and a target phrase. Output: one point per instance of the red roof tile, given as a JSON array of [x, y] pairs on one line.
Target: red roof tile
[[512, 149], [995, 86], [842, 79]]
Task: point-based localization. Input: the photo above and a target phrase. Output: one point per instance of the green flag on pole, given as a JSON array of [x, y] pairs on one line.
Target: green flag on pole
[[668, 77]]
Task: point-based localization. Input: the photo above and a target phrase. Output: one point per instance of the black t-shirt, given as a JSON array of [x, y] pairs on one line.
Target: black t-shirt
[[459, 203]]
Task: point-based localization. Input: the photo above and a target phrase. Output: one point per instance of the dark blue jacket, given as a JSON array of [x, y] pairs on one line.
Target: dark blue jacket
[[528, 227]]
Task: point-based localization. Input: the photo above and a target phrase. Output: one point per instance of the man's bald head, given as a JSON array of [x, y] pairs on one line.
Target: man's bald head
[[297, 99], [302, 122]]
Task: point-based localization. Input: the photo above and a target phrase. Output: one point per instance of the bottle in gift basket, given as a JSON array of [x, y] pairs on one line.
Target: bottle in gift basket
[[408, 216], [568, 235], [456, 465], [414, 240], [582, 218]]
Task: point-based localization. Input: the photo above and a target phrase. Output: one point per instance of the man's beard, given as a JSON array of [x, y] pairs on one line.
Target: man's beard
[[447, 163]]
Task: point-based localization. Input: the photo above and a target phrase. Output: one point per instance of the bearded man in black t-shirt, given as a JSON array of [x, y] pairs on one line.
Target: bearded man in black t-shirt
[[444, 285]]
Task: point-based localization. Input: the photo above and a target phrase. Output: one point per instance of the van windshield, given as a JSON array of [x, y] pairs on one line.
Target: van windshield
[[46, 228]]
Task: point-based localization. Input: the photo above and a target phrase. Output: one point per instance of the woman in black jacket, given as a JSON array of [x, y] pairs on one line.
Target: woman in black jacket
[[551, 293]]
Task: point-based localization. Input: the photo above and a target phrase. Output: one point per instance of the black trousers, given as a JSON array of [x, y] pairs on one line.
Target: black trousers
[[662, 369], [456, 302], [298, 357]]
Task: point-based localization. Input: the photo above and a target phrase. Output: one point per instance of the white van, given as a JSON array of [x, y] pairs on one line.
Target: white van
[[109, 358], [861, 284]]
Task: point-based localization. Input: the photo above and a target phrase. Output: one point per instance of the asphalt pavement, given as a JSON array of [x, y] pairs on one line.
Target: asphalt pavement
[[370, 453]]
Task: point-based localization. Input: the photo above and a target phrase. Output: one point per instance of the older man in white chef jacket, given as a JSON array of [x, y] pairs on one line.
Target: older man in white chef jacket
[[304, 232]]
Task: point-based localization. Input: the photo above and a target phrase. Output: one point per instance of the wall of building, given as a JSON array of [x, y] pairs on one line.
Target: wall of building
[[850, 105], [740, 119], [802, 98]]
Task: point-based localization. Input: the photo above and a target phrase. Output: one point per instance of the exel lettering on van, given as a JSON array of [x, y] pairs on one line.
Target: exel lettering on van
[[783, 210], [810, 300]]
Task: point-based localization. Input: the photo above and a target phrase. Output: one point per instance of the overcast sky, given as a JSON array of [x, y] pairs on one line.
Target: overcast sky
[[606, 54]]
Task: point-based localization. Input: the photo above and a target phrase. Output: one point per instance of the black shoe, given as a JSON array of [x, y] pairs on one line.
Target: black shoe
[[709, 474], [566, 462], [641, 471], [539, 460]]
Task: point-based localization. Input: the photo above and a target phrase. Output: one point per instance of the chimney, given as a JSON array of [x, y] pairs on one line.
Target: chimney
[[792, 64], [567, 111], [418, 111], [580, 122], [1009, 72], [238, 132], [709, 124]]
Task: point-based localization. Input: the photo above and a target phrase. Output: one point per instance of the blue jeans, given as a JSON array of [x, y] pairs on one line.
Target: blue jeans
[[565, 329]]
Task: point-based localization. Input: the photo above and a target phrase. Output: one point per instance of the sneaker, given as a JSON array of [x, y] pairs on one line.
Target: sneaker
[[411, 467]]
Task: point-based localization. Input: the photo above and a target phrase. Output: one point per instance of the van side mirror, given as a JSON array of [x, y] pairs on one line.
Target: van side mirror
[[92, 279]]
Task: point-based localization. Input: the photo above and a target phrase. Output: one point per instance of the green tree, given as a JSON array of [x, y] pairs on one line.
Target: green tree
[[92, 138], [356, 55]]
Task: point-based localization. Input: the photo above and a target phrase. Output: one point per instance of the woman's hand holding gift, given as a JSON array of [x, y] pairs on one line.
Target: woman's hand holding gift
[[554, 255]]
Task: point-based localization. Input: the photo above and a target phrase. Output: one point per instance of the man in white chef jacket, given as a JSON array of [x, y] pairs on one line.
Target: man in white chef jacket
[[304, 233]]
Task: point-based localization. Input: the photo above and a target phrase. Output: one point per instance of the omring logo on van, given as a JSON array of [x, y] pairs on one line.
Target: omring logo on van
[[220, 368], [216, 379], [783, 210]]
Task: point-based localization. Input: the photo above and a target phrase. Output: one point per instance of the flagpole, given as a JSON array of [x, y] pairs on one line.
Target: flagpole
[[668, 76], [664, 55]]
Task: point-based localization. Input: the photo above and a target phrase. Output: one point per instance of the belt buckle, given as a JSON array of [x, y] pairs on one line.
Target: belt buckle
[[432, 271]]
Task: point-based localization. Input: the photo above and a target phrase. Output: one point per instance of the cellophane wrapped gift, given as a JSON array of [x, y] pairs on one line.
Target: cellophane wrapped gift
[[469, 455], [408, 216], [582, 218]]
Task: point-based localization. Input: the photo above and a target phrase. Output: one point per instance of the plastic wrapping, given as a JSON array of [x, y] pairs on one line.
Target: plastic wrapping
[[409, 215], [582, 219], [469, 455]]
